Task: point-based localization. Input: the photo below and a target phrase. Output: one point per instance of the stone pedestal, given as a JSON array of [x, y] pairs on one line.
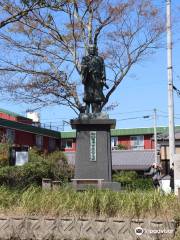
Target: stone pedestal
[[93, 152]]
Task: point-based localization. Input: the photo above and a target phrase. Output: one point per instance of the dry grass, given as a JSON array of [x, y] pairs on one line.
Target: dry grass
[[67, 202]]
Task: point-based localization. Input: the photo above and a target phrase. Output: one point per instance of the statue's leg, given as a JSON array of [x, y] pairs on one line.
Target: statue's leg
[[99, 107], [87, 108], [95, 108]]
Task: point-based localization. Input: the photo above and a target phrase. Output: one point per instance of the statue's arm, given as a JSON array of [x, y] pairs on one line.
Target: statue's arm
[[84, 69], [103, 71], [103, 74]]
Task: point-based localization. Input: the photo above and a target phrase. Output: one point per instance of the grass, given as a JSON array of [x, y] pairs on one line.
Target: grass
[[67, 202]]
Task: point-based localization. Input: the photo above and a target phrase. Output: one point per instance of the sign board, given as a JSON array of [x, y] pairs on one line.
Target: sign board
[[93, 146], [21, 158]]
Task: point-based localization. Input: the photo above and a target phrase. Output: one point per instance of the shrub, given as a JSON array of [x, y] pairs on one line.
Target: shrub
[[59, 167], [54, 166], [4, 154], [143, 184], [35, 155], [130, 180], [24, 176], [121, 147], [32, 173], [8, 198], [9, 175], [125, 176]]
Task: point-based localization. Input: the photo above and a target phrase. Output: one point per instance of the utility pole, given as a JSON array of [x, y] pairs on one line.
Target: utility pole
[[156, 159], [64, 123], [170, 84], [155, 137]]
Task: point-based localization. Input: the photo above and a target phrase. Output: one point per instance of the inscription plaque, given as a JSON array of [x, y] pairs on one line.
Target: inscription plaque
[[93, 146]]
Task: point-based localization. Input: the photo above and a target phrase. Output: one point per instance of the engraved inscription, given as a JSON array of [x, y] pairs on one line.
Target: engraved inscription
[[93, 146]]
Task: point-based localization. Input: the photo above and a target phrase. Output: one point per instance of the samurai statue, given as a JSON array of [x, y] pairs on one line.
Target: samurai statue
[[94, 79]]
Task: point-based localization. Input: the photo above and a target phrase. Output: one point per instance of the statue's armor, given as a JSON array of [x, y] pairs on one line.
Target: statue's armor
[[93, 73]]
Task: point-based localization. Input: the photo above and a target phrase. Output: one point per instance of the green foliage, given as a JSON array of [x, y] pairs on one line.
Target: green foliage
[[130, 180], [8, 198], [36, 155], [57, 162], [143, 184], [60, 170], [4, 154], [32, 173], [121, 147], [40, 166], [125, 176], [23, 176]]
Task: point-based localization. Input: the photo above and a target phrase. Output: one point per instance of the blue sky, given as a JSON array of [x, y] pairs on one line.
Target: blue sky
[[144, 89]]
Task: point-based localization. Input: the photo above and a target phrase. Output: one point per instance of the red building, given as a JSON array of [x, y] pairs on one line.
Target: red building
[[132, 149], [136, 144], [21, 132], [125, 139]]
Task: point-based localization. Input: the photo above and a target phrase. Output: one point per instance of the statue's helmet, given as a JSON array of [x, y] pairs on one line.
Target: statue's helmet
[[92, 49]]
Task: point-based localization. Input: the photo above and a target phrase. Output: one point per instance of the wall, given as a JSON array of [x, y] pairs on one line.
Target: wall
[[125, 141], [25, 120], [46, 143], [7, 117], [2, 132], [41, 228], [24, 138], [165, 152], [148, 143]]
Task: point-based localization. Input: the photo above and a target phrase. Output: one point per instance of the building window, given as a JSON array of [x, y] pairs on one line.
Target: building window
[[137, 142], [67, 143], [52, 144], [114, 142], [39, 141], [10, 135]]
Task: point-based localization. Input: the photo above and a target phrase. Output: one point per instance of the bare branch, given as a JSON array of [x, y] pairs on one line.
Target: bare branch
[[42, 45]]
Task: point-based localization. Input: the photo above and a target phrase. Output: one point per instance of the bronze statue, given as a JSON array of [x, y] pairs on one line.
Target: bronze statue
[[94, 79]]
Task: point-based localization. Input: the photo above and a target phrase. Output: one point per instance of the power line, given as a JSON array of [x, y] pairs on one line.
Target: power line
[[60, 118], [133, 118], [130, 112]]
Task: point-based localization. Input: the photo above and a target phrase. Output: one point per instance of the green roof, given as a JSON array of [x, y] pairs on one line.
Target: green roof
[[72, 134], [29, 128], [137, 131], [125, 132], [68, 134], [13, 114]]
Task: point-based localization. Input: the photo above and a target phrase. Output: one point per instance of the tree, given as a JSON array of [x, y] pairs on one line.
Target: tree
[[42, 50], [13, 12]]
